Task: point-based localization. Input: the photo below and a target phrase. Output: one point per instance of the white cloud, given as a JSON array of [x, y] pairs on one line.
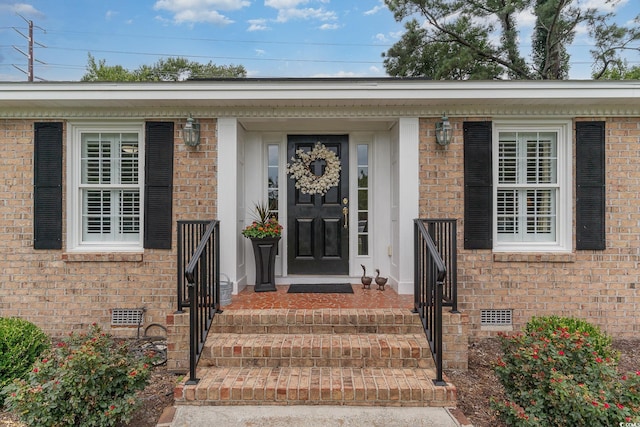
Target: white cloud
[[210, 16], [284, 4], [162, 20], [582, 29], [526, 19], [110, 14], [178, 5], [381, 38], [290, 10], [603, 6], [257, 25], [376, 9], [22, 9], [260, 52], [285, 15], [329, 26], [338, 74], [189, 11]]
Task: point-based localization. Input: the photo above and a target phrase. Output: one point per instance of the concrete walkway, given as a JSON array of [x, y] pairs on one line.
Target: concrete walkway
[[311, 416]]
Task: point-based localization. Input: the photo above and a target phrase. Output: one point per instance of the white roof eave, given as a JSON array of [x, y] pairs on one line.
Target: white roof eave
[[311, 92]]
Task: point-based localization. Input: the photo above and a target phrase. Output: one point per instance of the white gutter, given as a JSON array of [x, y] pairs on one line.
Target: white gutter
[[250, 91]]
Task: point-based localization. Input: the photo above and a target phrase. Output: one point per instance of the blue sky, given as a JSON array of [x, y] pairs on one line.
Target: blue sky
[[271, 38]]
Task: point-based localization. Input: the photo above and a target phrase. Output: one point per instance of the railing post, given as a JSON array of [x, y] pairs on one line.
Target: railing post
[[180, 275], [193, 334], [438, 333], [416, 267]]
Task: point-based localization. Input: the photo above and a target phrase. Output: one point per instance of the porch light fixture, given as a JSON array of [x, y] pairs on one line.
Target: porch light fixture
[[443, 131], [191, 132]]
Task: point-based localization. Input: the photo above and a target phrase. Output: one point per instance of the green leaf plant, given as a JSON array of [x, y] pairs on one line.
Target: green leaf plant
[[563, 372], [88, 379]]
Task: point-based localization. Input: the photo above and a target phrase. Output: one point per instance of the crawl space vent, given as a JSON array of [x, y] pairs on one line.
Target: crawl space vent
[[495, 318], [126, 317]]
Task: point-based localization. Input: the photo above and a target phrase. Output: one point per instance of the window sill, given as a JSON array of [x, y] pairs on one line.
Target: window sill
[[534, 257], [102, 257]]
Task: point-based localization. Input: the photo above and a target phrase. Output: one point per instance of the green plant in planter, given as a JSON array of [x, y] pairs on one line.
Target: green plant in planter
[[85, 380], [265, 224], [563, 371]]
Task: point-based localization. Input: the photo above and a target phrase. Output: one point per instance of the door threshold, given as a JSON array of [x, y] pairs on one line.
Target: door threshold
[[313, 279]]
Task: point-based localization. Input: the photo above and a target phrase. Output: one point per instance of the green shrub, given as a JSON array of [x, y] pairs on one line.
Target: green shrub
[[549, 324], [563, 371], [87, 379], [21, 343]]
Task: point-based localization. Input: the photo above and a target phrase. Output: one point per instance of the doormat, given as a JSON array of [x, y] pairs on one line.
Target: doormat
[[321, 288]]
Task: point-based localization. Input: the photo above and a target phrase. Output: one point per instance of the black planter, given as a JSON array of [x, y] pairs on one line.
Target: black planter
[[264, 252]]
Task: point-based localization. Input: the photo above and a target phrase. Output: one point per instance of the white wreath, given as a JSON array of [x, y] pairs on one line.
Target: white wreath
[[308, 182]]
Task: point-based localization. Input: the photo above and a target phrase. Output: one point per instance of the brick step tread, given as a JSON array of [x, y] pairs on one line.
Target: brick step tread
[[323, 321], [344, 350], [316, 386]]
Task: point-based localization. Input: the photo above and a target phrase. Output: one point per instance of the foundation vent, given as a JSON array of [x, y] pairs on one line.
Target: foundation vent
[[496, 318], [126, 316]]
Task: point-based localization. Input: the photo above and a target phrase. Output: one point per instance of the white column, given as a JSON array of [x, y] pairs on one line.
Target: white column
[[228, 198], [408, 196]]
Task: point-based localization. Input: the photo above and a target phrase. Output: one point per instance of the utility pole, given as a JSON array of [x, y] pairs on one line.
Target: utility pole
[[29, 55]]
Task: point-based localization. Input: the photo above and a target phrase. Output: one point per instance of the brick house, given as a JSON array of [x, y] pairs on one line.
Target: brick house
[[541, 177]]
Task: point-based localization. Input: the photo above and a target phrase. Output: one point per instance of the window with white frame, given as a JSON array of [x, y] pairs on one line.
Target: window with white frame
[[106, 177], [273, 183], [532, 190]]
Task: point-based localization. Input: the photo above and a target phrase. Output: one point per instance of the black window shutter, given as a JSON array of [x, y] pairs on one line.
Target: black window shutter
[[478, 186], [47, 182], [158, 186], [590, 186]]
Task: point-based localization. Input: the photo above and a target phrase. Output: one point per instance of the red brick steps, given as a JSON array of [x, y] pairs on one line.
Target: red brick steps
[[316, 350], [316, 357]]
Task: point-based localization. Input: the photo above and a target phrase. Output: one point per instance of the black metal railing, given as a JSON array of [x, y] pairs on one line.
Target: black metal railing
[[189, 235], [430, 276], [202, 275], [443, 233]]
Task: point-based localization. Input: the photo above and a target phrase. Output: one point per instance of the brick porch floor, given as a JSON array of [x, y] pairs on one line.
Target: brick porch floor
[[361, 298]]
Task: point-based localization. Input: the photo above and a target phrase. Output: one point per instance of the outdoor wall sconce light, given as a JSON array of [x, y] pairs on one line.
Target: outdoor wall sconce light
[[191, 132], [443, 131]]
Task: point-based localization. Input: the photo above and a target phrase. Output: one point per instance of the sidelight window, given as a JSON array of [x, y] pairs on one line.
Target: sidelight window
[[363, 199], [273, 184]]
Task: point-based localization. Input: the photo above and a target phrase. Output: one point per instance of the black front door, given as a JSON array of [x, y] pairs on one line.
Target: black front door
[[318, 233]]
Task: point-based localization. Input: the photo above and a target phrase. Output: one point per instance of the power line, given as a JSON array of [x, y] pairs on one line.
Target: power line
[[155, 37], [121, 52]]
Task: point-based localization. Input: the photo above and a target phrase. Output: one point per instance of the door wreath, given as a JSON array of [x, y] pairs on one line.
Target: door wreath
[[307, 181]]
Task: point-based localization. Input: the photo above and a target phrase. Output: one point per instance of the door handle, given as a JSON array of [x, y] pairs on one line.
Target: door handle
[[345, 215]]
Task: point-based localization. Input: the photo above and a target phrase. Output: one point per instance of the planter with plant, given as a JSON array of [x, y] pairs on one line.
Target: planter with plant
[[265, 232]]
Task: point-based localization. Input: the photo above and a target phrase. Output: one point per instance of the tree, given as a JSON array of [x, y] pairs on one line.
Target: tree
[[165, 70], [479, 39], [621, 72]]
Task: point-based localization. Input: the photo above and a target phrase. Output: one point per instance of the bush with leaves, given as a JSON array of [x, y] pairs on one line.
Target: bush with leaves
[[21, 343], [87, 379], [563, 371]]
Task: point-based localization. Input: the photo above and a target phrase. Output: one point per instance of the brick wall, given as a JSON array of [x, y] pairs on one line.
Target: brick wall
[[599, 286], [62, 292]]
